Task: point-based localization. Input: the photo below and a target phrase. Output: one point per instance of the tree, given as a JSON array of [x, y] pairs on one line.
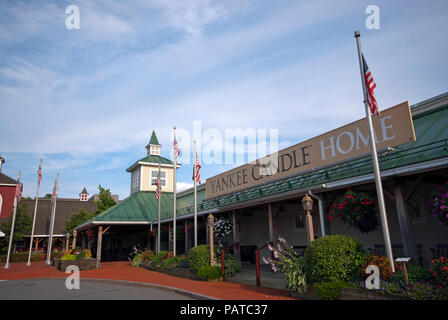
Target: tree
[[105, 200], [48, 196], [22, 227], [77, 219]]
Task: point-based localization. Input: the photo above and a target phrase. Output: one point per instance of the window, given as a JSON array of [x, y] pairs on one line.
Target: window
[[83, 197], [154, 174], [135, 179], [299, 222]]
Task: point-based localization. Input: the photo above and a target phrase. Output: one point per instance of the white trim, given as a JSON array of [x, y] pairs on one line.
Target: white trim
[[46, 235], [140, 187], [1, 205]]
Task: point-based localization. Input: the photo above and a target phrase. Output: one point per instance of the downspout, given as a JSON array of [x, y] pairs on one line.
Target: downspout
[[321, 212]]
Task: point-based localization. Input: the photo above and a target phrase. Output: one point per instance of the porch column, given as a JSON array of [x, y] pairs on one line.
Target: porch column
[[84, 240], [36, 244], [98, 246], [75, 233], [206, 230], [186, 235], [271, 224], [169, 240], [405, 225], [236, 234], [67, 241]]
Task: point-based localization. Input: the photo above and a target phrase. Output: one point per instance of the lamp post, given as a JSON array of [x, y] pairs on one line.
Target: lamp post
[[307, 203], [211, 220]]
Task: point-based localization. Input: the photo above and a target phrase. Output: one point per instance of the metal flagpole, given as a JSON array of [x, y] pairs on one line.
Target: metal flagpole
[[11, 232], [158, 230], [34, 217], [376, 169], [53, 212], [174, 196], [195, 199]]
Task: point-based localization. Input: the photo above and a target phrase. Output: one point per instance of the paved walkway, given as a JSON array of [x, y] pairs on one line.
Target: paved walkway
[[124, 272]]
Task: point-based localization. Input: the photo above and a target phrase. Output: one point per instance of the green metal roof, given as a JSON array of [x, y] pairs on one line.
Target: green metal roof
[[155, 159], [431, 143], [154, 139]]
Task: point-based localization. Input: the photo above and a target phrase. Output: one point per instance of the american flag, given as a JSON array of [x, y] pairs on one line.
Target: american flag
[[39, 174], [370, 86], [197, 165], [176, 149], [18, 194], [55, 191], [159, 188]]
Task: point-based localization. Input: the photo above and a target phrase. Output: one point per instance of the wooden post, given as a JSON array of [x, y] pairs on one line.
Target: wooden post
[[309, 227], [84, 240], [257, 267], [236, 234], [36, 244], [210, 228], [98, 247], [403, 220], [75, 233], [67, 241]]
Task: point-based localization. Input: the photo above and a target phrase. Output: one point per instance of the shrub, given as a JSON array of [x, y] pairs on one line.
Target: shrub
[[157, 259], [137, 259], [173, 262], [329, 290], [198, 257], [69, 257], [209, 272], [382, 263], [295, 276], [146, 257], [439, 270], [288, 261], [23, 257], [416, 274], [231, 264], [333, 258]]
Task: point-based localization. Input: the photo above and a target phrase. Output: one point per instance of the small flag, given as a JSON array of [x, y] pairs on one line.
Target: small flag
[[176, 149], [197, 165], [18, 193], [370, 86], [55, 192], [159, 188], [39, 174]]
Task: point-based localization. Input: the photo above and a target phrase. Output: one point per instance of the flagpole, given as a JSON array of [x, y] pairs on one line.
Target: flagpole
[[376, 169], [11, 232], [53, 212], [195, 199], [34, 218], [158, 230], [174, 197]]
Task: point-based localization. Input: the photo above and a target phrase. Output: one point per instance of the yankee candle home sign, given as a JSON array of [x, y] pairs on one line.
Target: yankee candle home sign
[[392, 128]]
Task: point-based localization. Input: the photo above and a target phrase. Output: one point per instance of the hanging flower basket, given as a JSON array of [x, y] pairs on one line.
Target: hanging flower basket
[[90, 234], [439, 204], [358, 209]]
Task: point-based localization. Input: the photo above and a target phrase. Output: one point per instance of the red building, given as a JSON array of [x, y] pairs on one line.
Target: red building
[[7, 191]]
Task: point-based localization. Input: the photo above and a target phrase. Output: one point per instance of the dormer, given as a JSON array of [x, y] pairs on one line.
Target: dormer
[[153, 147], [84, 195]]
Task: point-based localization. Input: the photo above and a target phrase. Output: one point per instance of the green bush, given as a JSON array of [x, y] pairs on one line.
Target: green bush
[[137, 259], [295, 275], [416, 274], [23, 257], [333, 258], [69, 257], [329, 290], [209, 272], [156, 261], [231, 264], [172, 262], [198, 257]]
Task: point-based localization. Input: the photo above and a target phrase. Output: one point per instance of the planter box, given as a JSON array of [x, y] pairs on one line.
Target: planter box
[[177, 272], [83, 264]]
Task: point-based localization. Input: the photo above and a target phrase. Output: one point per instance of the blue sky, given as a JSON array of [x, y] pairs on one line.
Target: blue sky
[[87, 100]]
